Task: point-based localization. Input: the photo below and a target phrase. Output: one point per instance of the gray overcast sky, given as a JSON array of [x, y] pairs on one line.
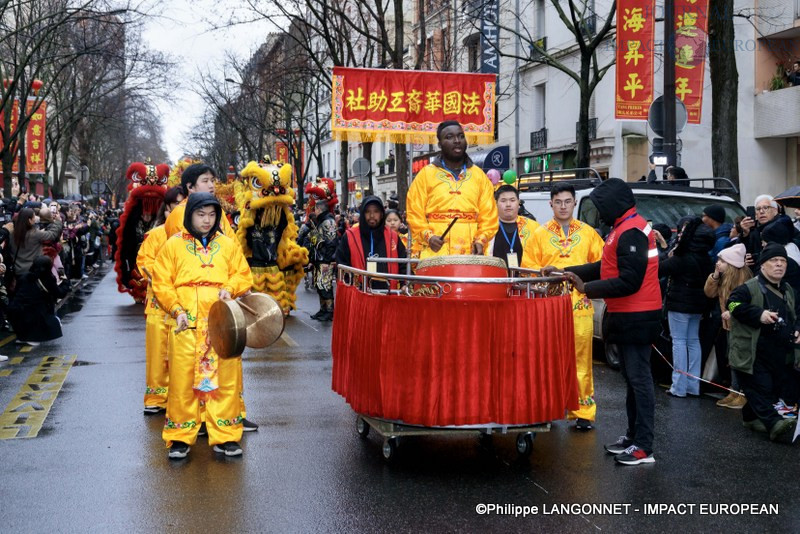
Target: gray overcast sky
[[182, 31]]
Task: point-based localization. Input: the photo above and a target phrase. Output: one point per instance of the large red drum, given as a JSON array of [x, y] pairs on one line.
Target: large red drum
[[467, 267]]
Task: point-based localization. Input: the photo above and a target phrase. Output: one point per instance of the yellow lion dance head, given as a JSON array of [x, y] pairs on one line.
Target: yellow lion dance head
[[264, 185]]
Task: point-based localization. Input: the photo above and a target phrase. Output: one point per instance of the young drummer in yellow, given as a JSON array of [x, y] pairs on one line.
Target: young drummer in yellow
[[193, 270], [158, 325], [451, 186], [562, 242], [200, 178], [515, 231]]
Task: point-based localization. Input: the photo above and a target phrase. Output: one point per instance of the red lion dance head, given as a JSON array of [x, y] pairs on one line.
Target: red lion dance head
[[147, 188], [321, 189]]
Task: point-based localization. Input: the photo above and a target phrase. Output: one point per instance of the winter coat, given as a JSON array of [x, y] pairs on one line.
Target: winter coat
[[688, 269]]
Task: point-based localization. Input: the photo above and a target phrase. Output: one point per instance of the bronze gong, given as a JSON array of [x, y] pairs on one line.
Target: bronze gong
[[227, 328], [264, 319]]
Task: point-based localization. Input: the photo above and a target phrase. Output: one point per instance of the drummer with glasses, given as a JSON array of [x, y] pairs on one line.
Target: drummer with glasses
[[451, 188]]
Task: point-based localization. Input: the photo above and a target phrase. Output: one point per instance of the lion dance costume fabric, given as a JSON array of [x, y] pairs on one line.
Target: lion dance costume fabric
[[267, 230], [147, 188]]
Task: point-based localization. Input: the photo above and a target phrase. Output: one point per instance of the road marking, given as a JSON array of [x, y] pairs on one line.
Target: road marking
[[26, 413], [8, 340], [5, 372], [288, 340], [26, 348], [308, 325], [16, 360]]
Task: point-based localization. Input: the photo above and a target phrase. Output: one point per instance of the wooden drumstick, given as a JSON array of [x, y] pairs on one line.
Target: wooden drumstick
[[449, 226], [245, 306]]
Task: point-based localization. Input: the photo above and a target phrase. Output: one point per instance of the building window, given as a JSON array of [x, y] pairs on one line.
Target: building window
[[539, 107], [473, 45]]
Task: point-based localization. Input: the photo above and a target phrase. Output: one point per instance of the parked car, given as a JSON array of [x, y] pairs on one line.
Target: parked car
[[658, 202]]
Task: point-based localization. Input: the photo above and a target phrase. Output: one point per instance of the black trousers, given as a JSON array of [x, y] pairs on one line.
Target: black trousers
[[763, 387], [640, 399]]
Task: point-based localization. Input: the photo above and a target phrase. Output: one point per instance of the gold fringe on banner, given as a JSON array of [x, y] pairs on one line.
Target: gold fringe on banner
[[359, 136]]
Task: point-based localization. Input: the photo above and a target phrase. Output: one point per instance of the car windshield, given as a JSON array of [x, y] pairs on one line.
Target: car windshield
[[664, 209]]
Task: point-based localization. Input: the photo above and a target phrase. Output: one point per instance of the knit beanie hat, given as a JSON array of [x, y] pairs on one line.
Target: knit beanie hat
[[772, 250], [716, 212], [734, 255]]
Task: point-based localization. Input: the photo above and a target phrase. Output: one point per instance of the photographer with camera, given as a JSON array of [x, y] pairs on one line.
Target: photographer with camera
[[764, 341]]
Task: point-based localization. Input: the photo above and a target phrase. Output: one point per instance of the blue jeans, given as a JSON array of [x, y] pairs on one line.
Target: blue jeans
[[686, 353]]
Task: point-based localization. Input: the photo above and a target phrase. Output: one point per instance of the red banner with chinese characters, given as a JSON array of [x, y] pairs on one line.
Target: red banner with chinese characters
[[12, 128], [691, 29], [406, 106], [635, 40], [35, 139]]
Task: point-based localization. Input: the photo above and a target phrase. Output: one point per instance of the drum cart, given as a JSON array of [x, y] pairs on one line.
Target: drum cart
[[521, 286]]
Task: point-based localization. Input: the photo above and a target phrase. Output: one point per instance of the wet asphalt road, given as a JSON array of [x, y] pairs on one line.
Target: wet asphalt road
[[99, 465]]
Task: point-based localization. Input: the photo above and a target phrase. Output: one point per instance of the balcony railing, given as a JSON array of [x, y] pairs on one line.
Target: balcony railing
[[592, 129], [539, 139], [777, 113]]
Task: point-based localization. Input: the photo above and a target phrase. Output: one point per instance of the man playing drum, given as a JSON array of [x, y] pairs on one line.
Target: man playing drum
[[448, 188]]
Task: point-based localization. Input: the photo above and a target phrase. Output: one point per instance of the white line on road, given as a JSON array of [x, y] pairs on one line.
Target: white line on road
[[305, 323]]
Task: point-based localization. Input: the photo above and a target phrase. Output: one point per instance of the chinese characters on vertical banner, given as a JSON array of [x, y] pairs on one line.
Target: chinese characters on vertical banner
[[406, 106], [35, 137], [691, 29], [635, 40]]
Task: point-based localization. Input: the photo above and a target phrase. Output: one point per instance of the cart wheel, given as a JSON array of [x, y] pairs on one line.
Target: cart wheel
[[525, 443], [362, 428], [389, 449]]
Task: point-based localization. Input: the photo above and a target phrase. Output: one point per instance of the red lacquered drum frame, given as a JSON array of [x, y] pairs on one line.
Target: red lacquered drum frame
[[467, 267]]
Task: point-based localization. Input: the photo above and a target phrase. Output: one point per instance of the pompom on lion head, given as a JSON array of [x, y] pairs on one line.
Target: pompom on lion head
[[322, 189], [268, 184]]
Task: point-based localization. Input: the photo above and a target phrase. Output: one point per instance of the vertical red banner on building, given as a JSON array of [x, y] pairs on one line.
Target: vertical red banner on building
[[635, 39], [691, 30], [35, 139], [12, 128], [282, 154]]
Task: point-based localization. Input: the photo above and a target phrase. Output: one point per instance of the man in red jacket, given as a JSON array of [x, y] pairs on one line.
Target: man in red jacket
[[371, 239], [627, 278]]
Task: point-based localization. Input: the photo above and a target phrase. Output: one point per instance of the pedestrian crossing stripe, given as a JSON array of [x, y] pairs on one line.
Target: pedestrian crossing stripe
[[8, 340], [26, 348], [26, 413]]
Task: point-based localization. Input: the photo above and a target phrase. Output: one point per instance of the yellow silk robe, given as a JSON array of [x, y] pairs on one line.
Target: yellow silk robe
[[145, 261], [436, 197], [157, 326], [174, 222], [187, 279], [549, 246]]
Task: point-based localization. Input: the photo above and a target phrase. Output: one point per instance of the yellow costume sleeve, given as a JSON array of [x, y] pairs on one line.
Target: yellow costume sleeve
[[416, 204], [488, 220], [596, 244], [532, 250], [164, 273], [240, 279], [153, 241], [174, 223], [526, 233]]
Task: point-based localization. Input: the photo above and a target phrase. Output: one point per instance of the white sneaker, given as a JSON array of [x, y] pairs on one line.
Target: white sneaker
[[31, 343], [3, 358]]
